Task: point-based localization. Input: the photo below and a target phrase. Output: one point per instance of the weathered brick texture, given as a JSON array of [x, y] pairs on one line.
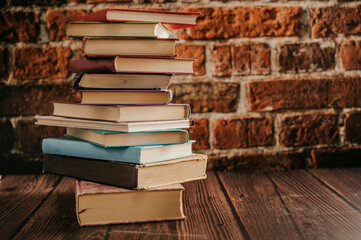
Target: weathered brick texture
[[200, 133], [331, 21], [308, 129], [36, 2], [304, 93], [37, 63], [243, 132], [207, 97], [193, 51], [7, 136], [350, 54], [34, 99], [235, 22], [353, 127], [257, 162], [17, 26], [338, 157], [305, 57]]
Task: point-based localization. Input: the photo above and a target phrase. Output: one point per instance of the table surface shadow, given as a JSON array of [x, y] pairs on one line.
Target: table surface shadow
[[298, 204]]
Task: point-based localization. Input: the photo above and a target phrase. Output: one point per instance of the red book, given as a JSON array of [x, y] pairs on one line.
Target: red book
[[171, 20], [132, 65]]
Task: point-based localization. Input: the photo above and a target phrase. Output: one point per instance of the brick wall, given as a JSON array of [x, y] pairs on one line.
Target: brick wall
[[278, 83]]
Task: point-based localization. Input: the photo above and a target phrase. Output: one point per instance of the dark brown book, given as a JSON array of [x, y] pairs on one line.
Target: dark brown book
[[98, 204], [127, 175]]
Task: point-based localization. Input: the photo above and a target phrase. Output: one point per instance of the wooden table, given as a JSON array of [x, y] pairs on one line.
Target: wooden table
[[300, 204]]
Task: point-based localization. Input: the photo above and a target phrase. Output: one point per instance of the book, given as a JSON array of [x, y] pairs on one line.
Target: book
[[98, 204], [132, 65], [111, 126], [135, 154], [172, 20], [123, 113], [121, 81], [141, 47], [121, 139], [128, 29], [126, 97], [128, 175]]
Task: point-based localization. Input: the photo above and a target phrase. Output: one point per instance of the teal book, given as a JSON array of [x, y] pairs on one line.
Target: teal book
[[136, 154], [122, 139]]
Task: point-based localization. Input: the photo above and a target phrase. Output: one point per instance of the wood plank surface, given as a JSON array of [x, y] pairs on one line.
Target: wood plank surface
[[259, 206], [345, 182], [317, 211], [209, 216], [19, 197], [56, 219]]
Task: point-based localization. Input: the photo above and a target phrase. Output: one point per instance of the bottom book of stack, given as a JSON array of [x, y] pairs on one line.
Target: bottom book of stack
[[98, 204]]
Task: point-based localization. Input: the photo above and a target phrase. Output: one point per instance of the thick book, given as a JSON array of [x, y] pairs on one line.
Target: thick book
[[121, 139], [98, 204], [128, 29], [172, 20], [126, 97], [121, 81], [135, 154], [127, 175], [123, 113], [111, 126], [141, 47], [132, 65]]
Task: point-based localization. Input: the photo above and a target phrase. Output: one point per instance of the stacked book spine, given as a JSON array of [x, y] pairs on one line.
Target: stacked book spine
[[125, 136]]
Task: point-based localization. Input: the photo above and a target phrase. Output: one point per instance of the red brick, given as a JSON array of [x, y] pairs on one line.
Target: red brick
[[200, 133], [7, 137], [105, 1], [38, 63], [56, 21], [193, 51], [350, 53], [34, 99], [30, 136], [260, 59], [311, 129], [257, 162], [16, 26], [305, 57], [3, 63], [207, 97], [243, 132], [221, 59], [36, 2], [238, 22], [353, 127], [331, 21], [241, 59], [304, 93], [336, 157]]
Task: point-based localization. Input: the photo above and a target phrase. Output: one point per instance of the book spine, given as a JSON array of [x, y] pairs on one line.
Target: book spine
[[99, 16], [75, 81], [92, 65]]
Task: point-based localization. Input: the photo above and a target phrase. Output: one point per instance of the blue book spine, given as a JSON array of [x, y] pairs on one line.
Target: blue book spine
[[78, 148]]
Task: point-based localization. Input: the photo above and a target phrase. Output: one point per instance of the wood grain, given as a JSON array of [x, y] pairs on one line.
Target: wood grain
[[259, 206], [345, 182], [317, 211], [19, 197], [56, 219], [208, 217]]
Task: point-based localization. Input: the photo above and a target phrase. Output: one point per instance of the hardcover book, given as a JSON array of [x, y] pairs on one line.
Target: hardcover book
[[132, 65], [141, 47], [135, 154], [121, 139], [172, 20], [129, 29], [98, 204], [123, 113], [128, 175], [111, 126]]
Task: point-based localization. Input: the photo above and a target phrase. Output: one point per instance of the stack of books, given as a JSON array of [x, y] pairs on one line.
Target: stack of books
[[125, 136]]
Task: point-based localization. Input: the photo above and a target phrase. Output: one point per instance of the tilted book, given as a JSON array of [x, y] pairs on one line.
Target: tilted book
[[135, 154], [98, 204], [172, 20], [128, 175]]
